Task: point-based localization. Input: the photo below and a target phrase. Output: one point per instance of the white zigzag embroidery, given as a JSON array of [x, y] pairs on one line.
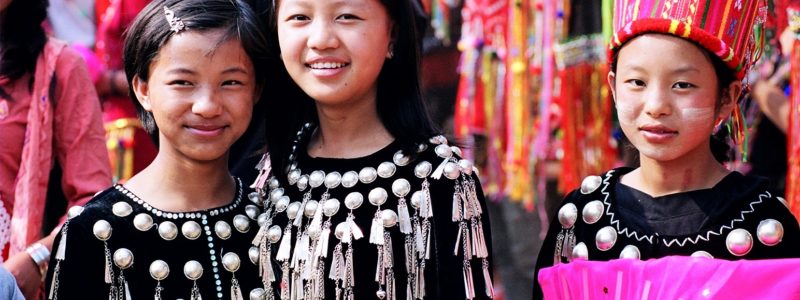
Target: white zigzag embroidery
[[649, 238]]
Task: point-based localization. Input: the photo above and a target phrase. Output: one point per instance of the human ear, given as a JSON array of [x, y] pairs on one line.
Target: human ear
[[728, 98], [142, 92], [612, 78]]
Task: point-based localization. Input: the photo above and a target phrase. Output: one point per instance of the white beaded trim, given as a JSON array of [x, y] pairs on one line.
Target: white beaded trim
[[184, 215]]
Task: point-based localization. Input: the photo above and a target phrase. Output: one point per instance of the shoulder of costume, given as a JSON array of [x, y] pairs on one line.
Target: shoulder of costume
[[447, 161], [595, 187]]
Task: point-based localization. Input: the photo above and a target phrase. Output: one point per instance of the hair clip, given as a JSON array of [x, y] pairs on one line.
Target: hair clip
[[175, 23]]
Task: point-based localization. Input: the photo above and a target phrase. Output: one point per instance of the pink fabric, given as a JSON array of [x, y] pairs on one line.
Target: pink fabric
[[73, 131], [673, 277]]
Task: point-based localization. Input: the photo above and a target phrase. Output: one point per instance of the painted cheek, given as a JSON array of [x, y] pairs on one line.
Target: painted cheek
[[626, 113], [701, 116]]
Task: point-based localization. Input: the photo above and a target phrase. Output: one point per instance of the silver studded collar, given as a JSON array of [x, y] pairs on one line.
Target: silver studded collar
[[680, 241], [185, 215]]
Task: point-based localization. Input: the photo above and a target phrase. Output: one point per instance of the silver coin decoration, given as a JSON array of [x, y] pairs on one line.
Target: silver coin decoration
[[367, 175], [580, 252], [340, 230], [439, 139], [191, 230], [251, 211], [223, 230], [400, 159], [381, 294], [416, 199], [567, 215], [276, 193], [123, 258], [590, 184], [401, 187], [253, 254], [451, 170], [630, 252], [262, 220], [282, 204], [314, 232], [254, 198], [783, 201], [592, 212], [121, 209], [193, 270], [739, 242], [293, 210], [74, 211], [422, 147], [332, 180], [102, 230], [389, 218], [274, 234], [302, 184], [310, 208], [349, 179], [456, 150], [167, 230], [330, 207], [423, 169], [143, 222], [316, 178], [258, 294], [294, 176], [231, 262], [159, 269], [770, 232], [386, 169], [466, 166], [378, 196], [702, 254], [241, 223], [274, 183], [605, 238], [353, 200], [443, 151]]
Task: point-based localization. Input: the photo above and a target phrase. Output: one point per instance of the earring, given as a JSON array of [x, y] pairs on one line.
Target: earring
[[390, 53]]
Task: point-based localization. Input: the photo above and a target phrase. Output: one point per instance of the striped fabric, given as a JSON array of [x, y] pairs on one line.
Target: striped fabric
[[724, 27]]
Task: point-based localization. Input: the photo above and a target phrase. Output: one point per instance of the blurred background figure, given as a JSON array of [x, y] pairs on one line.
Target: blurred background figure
[[51, 128]]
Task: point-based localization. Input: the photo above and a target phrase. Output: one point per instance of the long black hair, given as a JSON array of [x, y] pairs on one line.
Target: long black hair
[[150, 31], [400, 103], [720, 148], [22, 37]]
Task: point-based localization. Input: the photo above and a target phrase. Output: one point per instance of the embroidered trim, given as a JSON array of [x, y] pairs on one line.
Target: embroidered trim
[[679, 241], [182, 215]]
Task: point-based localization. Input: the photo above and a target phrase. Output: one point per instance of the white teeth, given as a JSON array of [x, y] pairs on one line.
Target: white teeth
[[327, 65]]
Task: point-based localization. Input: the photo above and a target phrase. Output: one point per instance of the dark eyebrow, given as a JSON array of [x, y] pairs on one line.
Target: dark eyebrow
[[235, 70], [181, 71]]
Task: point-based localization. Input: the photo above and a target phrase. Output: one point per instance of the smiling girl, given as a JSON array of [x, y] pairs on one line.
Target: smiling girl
[[179, 228], [366, 200], [675, 76]]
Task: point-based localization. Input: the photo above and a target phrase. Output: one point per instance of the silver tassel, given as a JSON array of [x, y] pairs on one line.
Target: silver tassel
[[157, 296], [285, 281], [109, 273], [62, 244], [487, 280], [285, 248], [376, 233], [354, 229], [196, 293], [457, 216], [425, 210], [54, 282], [469, 287], [405, 219], [559, 253], [236, 290]]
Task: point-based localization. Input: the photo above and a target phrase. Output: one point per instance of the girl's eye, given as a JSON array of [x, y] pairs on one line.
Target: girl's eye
[[298, 18], [349, 17], [180, 83], [232, 82], [683, 85], [636, 82]]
